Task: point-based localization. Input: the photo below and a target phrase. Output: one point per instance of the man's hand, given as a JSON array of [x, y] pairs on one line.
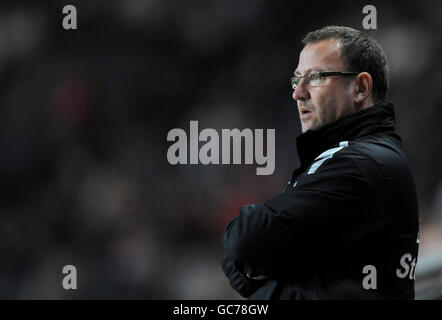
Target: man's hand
[[261, 277]]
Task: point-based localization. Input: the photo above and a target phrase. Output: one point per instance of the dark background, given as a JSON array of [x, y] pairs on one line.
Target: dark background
[[84, 116]]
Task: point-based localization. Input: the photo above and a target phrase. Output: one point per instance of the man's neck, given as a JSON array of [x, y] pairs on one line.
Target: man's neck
[[367, 103]]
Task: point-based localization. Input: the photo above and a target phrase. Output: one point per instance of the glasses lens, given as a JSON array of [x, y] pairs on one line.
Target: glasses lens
[[295, 82], [315, 79]]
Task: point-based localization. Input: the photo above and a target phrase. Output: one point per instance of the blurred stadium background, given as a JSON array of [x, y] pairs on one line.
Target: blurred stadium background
[[84, 117]]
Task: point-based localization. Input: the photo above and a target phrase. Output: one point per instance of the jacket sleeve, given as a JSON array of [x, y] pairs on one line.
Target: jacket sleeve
[[237, 278], [298, 231]]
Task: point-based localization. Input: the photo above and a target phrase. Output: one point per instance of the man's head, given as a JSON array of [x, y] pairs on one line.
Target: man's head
[[363, 79]]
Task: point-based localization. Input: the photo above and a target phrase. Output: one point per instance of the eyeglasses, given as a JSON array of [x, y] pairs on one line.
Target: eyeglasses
[[315, 79]]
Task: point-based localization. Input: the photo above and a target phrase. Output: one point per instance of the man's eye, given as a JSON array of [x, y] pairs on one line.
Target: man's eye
[[315, 77]]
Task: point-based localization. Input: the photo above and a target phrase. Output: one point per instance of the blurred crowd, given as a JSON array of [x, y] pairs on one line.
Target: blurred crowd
[[84, 116]]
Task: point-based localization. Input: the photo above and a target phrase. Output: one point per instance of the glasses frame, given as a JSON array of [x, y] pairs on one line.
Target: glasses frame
[[320, 74]]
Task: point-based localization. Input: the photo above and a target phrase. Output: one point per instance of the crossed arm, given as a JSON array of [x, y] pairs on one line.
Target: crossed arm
[[296, 232]]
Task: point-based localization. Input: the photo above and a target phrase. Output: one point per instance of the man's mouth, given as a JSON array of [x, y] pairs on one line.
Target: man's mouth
[[304, 113]]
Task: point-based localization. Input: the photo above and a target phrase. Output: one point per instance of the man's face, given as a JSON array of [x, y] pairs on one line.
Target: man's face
[[331, 100]]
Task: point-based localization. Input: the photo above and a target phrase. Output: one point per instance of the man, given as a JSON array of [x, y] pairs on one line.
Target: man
[[347, 224]]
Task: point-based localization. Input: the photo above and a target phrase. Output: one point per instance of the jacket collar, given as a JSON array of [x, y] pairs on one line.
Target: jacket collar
[[375, 119]]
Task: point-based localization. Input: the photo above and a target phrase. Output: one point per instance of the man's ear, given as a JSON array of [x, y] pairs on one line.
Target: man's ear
[[364, 83]]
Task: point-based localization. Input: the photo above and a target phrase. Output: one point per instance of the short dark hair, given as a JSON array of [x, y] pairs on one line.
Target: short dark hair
[[360, 53]]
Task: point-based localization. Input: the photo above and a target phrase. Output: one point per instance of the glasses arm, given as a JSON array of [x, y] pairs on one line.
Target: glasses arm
[[337, 73]]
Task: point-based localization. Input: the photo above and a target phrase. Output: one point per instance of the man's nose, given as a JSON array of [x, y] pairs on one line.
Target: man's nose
[[301, 92]]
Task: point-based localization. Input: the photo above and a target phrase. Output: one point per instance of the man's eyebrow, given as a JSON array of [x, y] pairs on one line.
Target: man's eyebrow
[[298, 73]]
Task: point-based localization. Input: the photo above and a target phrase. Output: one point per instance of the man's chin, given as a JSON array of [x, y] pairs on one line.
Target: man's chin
[[306, 126], [310, 127], [304, 130]]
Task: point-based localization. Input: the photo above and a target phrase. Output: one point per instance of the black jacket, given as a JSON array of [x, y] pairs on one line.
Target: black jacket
[[346, 226]]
